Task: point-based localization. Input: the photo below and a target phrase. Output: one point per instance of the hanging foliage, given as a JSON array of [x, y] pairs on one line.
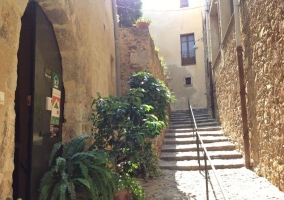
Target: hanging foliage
[[128, 11]]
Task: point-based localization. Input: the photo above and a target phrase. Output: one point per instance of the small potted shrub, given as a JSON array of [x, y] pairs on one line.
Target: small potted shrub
[[128, 188], [143, 22]]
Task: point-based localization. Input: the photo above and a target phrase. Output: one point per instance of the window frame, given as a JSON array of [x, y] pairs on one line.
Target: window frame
[[189, 60], [185, 82]]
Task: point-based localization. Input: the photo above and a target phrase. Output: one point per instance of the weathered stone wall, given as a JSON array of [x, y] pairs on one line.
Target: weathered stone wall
[[84, 31], [263, 33], [262, 39], [137, 53], [227, 90], [11, 12]]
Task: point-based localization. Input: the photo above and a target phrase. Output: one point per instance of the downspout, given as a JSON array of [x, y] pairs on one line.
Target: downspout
[[242, 85], [117, 51], [209, 63]]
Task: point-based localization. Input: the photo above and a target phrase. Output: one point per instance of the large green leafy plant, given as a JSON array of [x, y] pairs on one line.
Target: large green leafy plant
[[123, 126], [78, 172], [158, 94]]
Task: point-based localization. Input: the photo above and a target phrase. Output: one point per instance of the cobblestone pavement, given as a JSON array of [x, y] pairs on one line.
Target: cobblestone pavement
[[238, 184]]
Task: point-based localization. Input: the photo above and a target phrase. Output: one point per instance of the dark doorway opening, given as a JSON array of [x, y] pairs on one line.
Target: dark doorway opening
[[39, 75]]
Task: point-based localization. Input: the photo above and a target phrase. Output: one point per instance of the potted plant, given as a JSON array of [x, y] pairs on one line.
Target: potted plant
[[78, 172], [129, 188], [143, 22]]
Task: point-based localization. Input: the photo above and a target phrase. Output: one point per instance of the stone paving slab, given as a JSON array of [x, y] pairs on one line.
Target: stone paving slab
[[238, 184]]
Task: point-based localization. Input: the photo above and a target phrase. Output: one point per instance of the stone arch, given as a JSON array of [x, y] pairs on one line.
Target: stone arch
[[67, 32], [77, 62]]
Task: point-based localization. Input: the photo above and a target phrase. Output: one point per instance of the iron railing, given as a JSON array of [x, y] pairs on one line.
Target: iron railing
[[200, 144]]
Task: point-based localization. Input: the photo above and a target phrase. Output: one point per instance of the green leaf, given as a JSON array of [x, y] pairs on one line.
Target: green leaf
[[71, 190], [83, 181]]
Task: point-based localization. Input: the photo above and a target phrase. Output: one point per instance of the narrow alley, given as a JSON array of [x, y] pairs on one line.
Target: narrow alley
[[181, 178]]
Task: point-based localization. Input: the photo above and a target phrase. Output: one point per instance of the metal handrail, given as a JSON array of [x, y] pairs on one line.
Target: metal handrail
[[205, 153]]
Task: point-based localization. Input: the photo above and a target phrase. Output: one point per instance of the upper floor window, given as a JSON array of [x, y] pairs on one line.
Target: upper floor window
[[183, 3], [187, 49]]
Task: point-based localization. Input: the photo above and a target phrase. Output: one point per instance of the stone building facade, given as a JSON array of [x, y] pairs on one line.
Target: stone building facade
[[262, 33], [84, 39], [177, 31]]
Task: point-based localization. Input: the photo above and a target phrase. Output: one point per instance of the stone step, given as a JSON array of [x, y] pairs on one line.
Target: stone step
[[203, 121], [208, 128], [190, 134], [217, 146], [201, 124], [189, 121], [173, 117], [193, 155], [193, 164], [187, 113], [192, 140]]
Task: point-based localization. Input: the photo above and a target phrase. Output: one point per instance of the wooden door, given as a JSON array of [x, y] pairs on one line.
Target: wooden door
[[40, 54]]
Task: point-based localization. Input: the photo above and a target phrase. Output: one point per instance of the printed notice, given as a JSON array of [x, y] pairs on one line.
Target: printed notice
[[47, 75], [55, 112]]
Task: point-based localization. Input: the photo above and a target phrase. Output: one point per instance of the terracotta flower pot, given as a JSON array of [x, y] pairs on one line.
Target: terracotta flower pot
[[122, 195], [142, 25]]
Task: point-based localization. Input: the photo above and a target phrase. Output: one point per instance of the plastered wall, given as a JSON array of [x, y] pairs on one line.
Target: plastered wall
[[169, 22]]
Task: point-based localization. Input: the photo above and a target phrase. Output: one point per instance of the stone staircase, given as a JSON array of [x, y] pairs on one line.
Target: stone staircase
[[179, 151]]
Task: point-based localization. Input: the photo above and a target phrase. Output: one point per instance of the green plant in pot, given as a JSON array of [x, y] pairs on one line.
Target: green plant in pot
[[143, 22], [78, 172], [129, 188]]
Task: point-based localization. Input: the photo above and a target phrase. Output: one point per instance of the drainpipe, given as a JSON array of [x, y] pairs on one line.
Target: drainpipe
[[117, 51], [209, 63], [242, 85]]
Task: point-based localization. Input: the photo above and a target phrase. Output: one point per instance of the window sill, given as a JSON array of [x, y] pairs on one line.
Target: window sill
[[188, 64]]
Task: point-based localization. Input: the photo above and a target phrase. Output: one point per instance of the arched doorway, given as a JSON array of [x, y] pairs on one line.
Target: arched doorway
[[38, 122]]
